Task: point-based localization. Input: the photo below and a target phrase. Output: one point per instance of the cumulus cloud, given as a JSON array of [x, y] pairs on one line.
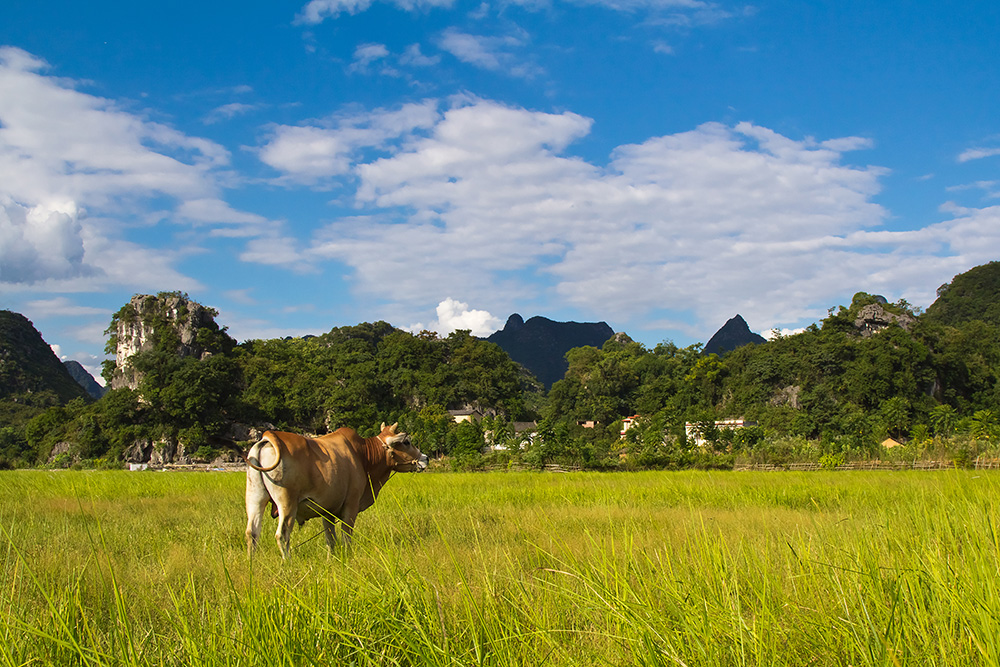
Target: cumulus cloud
[[311, 153], [40, 242], [454, 315], [709, 222], [494, 53], [67, 157]]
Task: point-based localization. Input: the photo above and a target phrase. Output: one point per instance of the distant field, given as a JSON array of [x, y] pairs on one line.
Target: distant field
[[688, 568]]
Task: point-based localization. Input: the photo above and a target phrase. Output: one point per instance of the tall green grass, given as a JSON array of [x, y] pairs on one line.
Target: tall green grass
[[691, 568]]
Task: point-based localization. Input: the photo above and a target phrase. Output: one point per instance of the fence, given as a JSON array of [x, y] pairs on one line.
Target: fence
[[978, 464]]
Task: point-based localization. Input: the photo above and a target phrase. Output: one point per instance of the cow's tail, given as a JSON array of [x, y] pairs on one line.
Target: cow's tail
[[257, 446], [253, 453]]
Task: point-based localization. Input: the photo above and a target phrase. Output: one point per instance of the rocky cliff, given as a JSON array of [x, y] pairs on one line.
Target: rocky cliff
[[874, 318], [541, 344], [169, 321]]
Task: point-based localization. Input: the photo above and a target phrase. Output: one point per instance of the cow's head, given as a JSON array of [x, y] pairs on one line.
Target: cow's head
[[400, 453]]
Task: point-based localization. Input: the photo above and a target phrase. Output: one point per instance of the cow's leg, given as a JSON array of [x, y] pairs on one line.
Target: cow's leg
[[256, 503], [347, 517], [287, 510], [330, 533], [286, 521]]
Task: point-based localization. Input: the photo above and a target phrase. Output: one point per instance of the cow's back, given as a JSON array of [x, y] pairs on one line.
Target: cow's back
[[325, 470]]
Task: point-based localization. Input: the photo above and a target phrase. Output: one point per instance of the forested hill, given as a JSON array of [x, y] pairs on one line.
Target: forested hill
[[973, 295], [29, 366], [869, 371]]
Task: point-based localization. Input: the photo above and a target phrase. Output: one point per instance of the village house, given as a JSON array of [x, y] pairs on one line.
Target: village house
[[693, 431], [627, 423], [466, 415]]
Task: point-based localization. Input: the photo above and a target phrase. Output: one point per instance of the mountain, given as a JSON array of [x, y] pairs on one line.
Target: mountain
[[28, 364], [972, 295], [541, 344], [85, 379], [733, 334]]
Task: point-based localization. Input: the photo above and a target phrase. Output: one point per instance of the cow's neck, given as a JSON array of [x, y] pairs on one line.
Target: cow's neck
[[375, 463]]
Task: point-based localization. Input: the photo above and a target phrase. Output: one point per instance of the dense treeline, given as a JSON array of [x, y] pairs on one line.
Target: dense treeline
[[356, 376], [837, 390]]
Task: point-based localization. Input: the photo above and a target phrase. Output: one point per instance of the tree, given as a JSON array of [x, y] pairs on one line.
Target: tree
[[943, 419], [895, 412]]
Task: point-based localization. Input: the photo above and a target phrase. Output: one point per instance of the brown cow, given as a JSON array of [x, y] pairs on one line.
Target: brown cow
[[334, 476]]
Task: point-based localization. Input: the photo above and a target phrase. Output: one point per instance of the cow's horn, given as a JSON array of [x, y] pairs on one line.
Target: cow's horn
[[382, 427]]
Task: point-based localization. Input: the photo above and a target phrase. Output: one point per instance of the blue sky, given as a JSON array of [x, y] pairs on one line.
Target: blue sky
[[658, 164]]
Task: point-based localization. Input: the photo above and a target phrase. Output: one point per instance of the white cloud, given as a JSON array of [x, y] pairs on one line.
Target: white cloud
[[40, 242], [228, 111], [71, 162], [714, 221], [216, 211], [366, 54], [486, 52], [278, 251], [413, 56], [312, 153], [977, 154], [669, 12], [453, 315], [61, 306], [771, 334], [316, 11]]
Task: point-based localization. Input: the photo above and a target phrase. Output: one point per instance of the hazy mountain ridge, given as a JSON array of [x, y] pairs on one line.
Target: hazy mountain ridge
[[540, 344], [85, 379], [734, 334]]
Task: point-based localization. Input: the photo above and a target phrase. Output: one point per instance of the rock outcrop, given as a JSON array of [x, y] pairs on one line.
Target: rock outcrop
[[167, 319], [541, 344], [733, 334], [874, 318]]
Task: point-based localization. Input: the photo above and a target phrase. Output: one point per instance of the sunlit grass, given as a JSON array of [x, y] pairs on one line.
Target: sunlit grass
[[695, 568]]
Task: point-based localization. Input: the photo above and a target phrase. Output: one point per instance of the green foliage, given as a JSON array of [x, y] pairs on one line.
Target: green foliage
[[840, 392], [970, 296]]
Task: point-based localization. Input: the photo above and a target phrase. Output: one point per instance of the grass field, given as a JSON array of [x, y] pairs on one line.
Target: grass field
[[689, 568]]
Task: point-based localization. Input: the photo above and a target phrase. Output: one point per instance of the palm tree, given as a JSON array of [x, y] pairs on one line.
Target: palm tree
[[942, 419]]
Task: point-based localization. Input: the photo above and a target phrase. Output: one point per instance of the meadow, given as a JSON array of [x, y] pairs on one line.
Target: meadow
[[646, 568]]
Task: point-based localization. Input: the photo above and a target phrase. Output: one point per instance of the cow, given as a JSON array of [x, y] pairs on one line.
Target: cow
[[334, 476]]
